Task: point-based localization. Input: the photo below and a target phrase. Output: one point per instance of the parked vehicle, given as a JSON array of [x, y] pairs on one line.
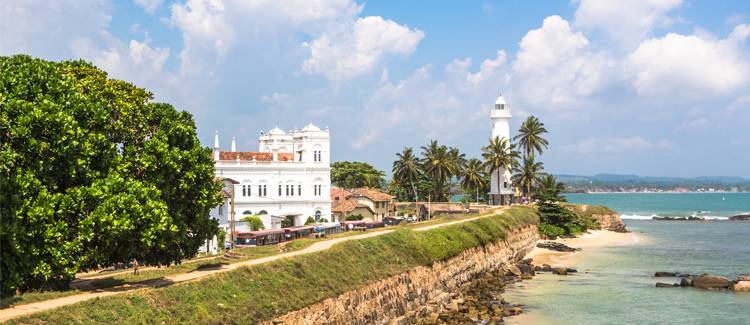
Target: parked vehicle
[[261, 237]]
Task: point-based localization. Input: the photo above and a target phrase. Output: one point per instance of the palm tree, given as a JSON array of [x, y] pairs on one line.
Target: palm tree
[[499, 155], [472, 176], [407, 170], [530, 138], [438, 163], [528, 175], [550, 189]]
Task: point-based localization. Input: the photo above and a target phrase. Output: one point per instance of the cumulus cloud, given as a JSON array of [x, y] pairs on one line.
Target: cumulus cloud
[[149, 6], [205, 32], [690, 66], [555, 66], [353, 50], [625, 22], [618, 145]]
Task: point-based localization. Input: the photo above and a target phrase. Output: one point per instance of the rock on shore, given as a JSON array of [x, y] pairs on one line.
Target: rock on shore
[[711, 282], [706, 281], [555, 246], [741, 217]]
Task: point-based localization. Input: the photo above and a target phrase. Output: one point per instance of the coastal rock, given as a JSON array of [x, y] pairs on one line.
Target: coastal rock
[[514, 270], [684, 282], [666, 285], [688, 218], [665, 274], [560, 271], [743, 277], [741, 217], [555, 246], [710, 282], [741, 286]]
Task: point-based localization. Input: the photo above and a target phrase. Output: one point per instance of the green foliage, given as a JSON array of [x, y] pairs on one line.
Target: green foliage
[[499, 154], [528, 175], [221, 237], [253, 222], [353, 174], [530, 137], [92, 172], [300, 278], [551, 231], [557, 215], [286, 223], [354, 217], [473, 179], [310, 221], [439, 163], [550, 189], [323, 220], [406, 172]]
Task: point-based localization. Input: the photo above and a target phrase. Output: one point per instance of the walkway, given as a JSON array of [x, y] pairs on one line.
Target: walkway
[[25, 309]]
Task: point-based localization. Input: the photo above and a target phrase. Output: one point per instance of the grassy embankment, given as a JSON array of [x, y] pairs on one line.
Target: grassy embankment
[[117, 278], [260, 292], [587, 212], [127, 276]]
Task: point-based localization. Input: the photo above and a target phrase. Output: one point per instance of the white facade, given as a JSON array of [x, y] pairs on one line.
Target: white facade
[[500, 117], [289, 177]]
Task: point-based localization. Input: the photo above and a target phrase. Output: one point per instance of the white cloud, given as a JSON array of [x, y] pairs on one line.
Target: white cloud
[[149, 6], [206, 34], [690, 66], [555, 66], [625, 22], [618, 145], [350, 51]]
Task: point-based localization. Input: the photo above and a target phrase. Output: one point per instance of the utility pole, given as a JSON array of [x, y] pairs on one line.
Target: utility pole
[[231, 217], [429, 207]]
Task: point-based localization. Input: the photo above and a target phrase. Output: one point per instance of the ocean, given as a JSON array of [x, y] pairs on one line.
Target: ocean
[[615, 285]]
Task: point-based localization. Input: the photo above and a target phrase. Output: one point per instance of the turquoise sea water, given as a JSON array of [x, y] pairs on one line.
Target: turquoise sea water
[[615, 285]]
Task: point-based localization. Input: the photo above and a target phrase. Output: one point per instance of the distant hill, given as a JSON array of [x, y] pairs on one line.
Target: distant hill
[[616, 182]]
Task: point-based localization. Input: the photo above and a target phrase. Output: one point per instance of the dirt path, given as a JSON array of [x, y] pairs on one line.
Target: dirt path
[[25, 309]]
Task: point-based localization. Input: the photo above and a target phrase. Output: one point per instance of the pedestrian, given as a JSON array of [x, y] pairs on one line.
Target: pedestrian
[[135, 265]]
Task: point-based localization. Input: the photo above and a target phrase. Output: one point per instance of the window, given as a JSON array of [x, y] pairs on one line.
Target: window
[[318, 190], [265, 192], [221, 207], [318, 214], [505, 184], [279, 189], [287, 190], [299, 190], [316, 155]]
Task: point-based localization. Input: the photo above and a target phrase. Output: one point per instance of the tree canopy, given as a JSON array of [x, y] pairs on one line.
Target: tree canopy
[[93, 172], [353, 174]]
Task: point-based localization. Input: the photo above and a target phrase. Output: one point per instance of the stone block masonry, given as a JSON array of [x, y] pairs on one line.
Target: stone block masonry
[[402, 298]]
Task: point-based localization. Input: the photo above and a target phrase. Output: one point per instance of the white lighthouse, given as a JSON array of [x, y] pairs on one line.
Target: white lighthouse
[[500, 116]]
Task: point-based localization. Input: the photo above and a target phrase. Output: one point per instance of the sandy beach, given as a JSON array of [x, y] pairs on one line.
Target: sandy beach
[[592, 240]]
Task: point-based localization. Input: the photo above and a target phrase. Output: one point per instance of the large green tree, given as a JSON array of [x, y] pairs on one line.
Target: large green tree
[[93, 172], [353, 174], [530, 136], [407, 171]]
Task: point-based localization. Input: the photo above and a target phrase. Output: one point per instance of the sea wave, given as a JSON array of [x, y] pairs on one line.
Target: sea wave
[[650, 217]]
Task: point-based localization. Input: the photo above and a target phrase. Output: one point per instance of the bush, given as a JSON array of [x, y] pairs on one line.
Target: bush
[[323, 220], [254, 222], [550, 231], [286, 223], [354, 217], [310, 221]]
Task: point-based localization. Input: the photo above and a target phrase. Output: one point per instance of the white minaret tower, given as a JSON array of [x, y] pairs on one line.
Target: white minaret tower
[[216, 145], [501, 128]]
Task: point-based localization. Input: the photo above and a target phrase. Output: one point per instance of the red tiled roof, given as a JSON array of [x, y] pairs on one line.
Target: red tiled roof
[[258, 156], [372, 194], [347, 206], [338, 194]]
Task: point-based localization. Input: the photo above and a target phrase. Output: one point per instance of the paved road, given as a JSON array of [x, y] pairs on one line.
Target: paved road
[[25, 309]]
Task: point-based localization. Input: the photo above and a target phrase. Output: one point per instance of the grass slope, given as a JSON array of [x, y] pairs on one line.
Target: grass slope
[[260, 292]]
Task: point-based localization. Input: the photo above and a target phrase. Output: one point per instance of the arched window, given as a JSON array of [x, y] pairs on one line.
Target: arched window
[[262, 212], [318, 214], [246, 212]]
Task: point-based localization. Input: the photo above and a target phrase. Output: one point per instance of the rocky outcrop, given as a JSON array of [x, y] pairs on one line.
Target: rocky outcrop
[[684, 218], [555, 246], [741, 217], [419, 292], [711, 282], [607, 219]]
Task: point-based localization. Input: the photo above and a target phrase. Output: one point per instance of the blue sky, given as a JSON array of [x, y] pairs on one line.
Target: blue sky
[[649, 87]]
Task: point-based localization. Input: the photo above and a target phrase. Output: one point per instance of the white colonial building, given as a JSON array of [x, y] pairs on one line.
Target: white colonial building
[[289, 177], [500, 116]]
